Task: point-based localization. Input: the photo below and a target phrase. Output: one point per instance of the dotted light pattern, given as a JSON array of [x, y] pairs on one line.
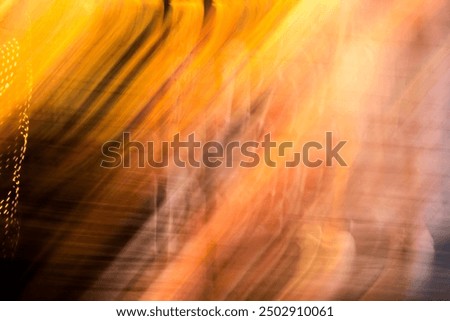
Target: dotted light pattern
[[14, 125]]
